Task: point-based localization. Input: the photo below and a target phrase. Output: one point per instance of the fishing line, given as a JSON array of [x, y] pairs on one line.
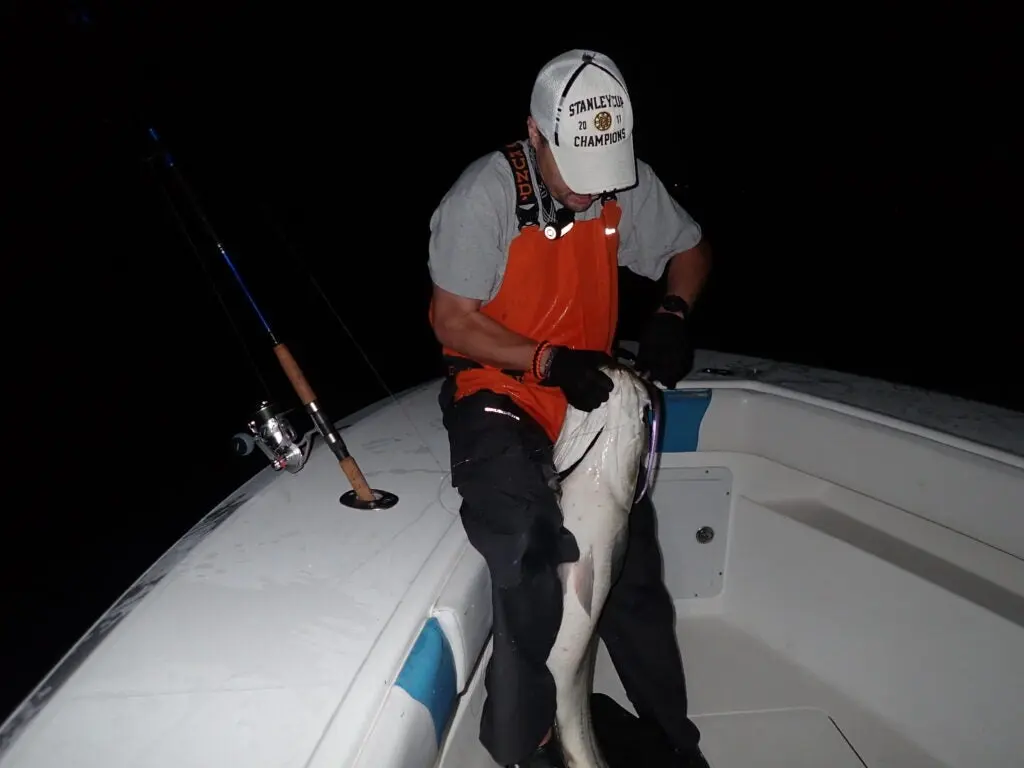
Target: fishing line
[[216, 291], [169, 162], [323, 295]]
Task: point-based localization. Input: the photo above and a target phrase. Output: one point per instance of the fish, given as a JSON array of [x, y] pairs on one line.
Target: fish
[[600, 456]]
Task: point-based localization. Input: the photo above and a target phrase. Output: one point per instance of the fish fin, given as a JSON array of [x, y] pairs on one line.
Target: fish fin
[[619, 553], [564, 575], [583, 581]]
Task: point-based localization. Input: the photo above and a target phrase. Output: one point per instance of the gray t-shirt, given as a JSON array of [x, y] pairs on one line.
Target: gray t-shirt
[[475, 222]]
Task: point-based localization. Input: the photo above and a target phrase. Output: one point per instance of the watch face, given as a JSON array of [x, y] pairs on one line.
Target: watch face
[[674, 304]]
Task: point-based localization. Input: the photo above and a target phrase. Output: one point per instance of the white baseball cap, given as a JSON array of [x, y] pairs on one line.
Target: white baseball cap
[[582, 108]]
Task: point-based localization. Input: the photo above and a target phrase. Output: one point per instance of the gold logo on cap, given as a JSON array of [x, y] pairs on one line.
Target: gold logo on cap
[[603, 121]]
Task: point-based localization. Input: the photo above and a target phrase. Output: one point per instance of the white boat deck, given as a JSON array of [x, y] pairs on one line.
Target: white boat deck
[[756, 707]]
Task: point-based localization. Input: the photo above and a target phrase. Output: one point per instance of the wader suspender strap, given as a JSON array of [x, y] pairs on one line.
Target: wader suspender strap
[[527, 213], [527, 206]]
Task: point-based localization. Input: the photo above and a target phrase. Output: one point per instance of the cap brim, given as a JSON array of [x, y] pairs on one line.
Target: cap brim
[[593, 171]]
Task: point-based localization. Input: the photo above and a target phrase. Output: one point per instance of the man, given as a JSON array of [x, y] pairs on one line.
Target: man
[[524, 256]]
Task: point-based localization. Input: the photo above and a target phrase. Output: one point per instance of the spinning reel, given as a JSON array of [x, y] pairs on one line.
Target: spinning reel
[[276, 437]]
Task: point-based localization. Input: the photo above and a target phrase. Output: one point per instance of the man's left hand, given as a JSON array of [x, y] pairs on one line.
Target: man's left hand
[[665, 349]]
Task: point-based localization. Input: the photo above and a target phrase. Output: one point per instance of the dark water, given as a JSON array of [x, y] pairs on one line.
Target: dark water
[[860, 207]]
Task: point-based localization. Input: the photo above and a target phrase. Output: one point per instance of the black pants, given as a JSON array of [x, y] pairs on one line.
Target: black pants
[[502, 466]]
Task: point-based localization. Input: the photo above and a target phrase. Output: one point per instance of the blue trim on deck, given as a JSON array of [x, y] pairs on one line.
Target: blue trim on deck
[[682, 415], [428, 675]]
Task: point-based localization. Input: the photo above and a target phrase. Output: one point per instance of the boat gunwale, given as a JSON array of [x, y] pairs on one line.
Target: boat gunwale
[[879, 417]]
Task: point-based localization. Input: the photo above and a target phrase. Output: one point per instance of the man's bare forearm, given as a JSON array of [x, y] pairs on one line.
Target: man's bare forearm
[[688, 272], [487, 341]]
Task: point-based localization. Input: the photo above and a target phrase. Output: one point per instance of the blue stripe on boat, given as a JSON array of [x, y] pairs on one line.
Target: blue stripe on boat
[[428, 675], [682, 416]]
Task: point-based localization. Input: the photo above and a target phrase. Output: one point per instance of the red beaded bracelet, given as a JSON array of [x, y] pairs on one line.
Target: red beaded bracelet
[[535, 366]]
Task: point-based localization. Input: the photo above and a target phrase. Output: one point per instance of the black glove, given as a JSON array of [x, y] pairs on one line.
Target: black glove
[[575, 372], [665, 349]]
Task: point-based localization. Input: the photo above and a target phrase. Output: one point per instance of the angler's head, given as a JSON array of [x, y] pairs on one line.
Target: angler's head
[[581, 126]]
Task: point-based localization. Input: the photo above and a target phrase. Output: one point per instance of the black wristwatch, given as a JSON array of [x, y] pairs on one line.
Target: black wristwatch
[[673, 303]]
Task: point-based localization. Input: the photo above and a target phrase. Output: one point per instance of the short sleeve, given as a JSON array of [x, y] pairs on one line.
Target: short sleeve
[[654, 226], [467, 250]]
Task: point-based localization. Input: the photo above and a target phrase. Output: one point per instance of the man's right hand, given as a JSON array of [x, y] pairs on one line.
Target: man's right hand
[[576, 372]]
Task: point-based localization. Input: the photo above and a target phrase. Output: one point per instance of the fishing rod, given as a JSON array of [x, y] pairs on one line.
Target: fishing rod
[[271, 430]]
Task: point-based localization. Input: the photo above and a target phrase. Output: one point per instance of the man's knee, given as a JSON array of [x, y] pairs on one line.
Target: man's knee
[[518, 529]]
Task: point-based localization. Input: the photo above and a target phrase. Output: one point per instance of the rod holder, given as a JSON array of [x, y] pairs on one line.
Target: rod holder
[[362, 496]]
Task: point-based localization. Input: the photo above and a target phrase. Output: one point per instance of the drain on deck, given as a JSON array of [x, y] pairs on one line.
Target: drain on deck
[[705, 534]]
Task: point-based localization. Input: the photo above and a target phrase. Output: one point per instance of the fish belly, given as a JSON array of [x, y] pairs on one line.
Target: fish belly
[[599, 526]]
